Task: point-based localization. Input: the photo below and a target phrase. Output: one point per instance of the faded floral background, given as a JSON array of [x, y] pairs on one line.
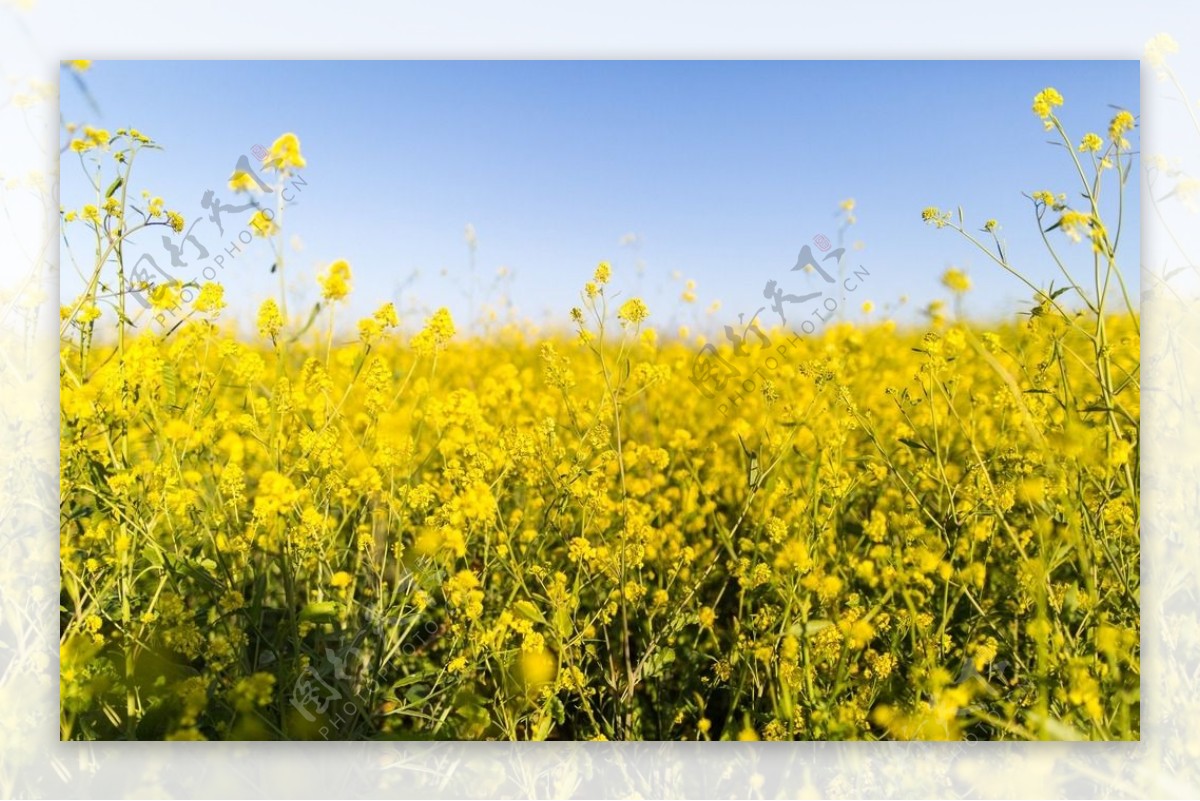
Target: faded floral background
[[34, 37]]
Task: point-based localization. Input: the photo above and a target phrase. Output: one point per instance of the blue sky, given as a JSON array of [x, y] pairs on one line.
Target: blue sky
[[721, 171]]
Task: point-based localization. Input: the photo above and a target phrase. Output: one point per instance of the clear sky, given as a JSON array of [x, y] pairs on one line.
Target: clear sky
[[716, 171]]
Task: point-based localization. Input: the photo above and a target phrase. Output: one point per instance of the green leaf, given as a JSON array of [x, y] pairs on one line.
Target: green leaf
[[543, 728], [114, 186], [185, 568], [406, 681], [912, 443], [813, 626], [417, 695], [527, 610], [562, 622], [319, 612], [170, 379], [658, 662]]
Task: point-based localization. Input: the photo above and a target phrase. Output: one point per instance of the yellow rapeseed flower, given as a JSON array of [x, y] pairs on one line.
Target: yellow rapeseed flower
[[437, 332], [1121, 124], [165, 296], [211, 298], [262, 223], [633, 311], [270, 321], [1091, 143], [335, 281], [241, 181], [932, 215], [1073, 223], [956, 280], [1045, 101], [284, 154]]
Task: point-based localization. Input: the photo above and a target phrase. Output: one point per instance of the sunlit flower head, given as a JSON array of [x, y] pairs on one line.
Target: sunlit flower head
[[386, 315], [92, 138], [1074, 224], [1045, 101], [335, 282], [242, 181], [284, 155], [165, 296], [956, 280], [932, 215], [439, 328], [1091, 143], [689, 292], [633, 311], [211, 298], [270, 321], [263, 224], [1121, 124]]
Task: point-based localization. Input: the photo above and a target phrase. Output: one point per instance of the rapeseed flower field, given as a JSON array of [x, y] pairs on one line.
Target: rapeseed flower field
[[874, 531]]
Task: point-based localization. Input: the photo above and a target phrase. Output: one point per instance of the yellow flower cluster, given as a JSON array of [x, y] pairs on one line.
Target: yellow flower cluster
[[284, 154], [335, 281], [956, 280], [1121, 124], [552, 533], [1045, 101], [633, 311]]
